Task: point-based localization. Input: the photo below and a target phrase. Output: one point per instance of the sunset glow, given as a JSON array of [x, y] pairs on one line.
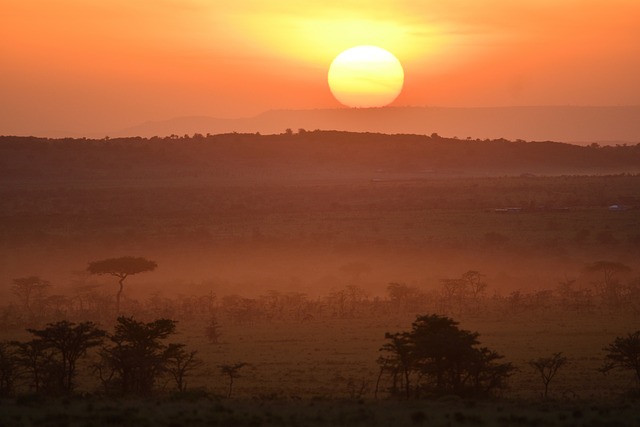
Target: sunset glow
[[91, 66], [326, 207], [366, 76]]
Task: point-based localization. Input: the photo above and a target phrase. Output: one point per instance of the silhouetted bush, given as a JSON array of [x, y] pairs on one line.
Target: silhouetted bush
[[437, 358], [548, 367], [137, 356], [624, 353], [59, 346], [9, 369]]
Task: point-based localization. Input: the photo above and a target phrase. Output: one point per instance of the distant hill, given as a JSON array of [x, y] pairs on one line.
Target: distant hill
[[302, 156], [579, 125]]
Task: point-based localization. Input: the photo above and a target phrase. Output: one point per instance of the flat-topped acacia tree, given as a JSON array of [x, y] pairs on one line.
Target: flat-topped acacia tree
[[121, 268]]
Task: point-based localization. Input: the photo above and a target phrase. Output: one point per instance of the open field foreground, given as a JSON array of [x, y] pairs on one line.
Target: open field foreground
[[201, 410]]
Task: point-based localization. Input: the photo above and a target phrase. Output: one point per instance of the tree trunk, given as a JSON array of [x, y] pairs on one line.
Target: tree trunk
[[375, 394], [121, 282], [407, 387], [546, 389]]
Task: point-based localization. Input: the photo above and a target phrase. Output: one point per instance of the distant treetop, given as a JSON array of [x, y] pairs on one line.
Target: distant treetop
[[122, 266]]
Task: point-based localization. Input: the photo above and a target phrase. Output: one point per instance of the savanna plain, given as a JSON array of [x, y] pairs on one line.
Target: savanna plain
[[291, 271]]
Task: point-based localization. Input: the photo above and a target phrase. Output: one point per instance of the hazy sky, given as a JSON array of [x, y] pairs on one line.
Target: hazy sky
[[95, 65]]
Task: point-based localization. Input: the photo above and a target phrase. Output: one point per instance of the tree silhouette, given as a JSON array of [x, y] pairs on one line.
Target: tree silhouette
[[69, 342], [476, 285], [9, 371], [624, 353], [121, 268], [404, 297], [180, 363], [399, 361], [609, 287], [26, 288], [36, 358], [454, 293], [547, 367], [212, 330], [232, 371], [137, 357], [444, 359]]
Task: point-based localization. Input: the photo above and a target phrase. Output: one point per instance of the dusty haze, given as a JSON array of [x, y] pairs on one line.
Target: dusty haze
[[247, 214]]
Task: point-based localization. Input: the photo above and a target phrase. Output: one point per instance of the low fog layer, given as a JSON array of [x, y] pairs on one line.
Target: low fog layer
[[246, 214]]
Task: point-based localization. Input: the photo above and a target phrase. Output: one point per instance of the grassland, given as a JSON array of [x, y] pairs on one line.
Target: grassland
[[243, 227], [205, 411]]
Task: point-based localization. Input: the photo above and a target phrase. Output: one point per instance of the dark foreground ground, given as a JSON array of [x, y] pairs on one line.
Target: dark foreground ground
[[194, 410]]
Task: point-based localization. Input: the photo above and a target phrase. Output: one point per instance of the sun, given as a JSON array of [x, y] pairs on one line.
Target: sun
[[366, 77]]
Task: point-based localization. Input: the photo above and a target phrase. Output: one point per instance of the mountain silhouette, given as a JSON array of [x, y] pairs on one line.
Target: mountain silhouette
[[578, 125]]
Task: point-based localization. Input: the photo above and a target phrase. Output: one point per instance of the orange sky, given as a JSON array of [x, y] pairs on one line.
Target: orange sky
[[81, 66]]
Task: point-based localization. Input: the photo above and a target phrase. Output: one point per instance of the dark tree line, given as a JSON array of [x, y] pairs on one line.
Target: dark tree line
[[624, 353], [604, 286], [437, 358], [198, 152], [433, 359], [130, 360]]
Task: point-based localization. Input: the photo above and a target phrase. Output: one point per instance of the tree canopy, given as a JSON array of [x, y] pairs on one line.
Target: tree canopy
[[27, 288], [437, 358], [69, 341], [624, 353], [137, 356], [122, 267]]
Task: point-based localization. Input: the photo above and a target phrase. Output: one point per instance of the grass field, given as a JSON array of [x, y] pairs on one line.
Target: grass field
[[323, 373], [250, 237], [201, 411], [337, 359], [410, 231]]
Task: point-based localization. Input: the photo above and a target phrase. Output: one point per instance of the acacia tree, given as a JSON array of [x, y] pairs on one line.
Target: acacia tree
[[212, 330], [121, 268], [454, 294], [398, 361], [9, 371], [609, 286], [232, 371], [180, 363], [547, 367], [28, 288], [624, 353], [137, 356], [444, 359], [69, 342], [404, 297], [464, 291], [36, 358], [476, 285]]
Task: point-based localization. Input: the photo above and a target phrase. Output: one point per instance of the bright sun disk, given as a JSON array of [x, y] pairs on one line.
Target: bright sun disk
[[365, 77]]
